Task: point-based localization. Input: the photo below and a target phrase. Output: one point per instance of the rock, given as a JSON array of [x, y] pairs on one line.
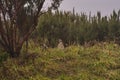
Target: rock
[[60, 44]]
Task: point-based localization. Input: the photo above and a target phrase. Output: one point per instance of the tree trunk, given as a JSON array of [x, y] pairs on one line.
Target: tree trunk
[[26, 46], [14, 54]]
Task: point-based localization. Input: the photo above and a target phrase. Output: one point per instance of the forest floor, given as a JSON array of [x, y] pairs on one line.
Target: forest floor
[[98, 62]]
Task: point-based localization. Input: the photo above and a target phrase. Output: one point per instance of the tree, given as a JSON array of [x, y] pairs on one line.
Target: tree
[[18, 19]]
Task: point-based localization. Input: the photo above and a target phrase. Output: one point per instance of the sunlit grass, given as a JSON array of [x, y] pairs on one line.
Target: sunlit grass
[[98, 62]]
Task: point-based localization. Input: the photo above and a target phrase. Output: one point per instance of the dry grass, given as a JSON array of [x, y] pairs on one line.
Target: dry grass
[[98, 62]]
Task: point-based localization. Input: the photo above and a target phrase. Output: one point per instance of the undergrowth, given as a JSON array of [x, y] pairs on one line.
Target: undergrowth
[[98, 62]]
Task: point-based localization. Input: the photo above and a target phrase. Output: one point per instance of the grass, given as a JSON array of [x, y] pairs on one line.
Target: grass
[[98, 62]]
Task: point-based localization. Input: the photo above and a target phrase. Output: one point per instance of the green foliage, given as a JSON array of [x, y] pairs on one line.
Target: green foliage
[[78, 29], [3, 56]]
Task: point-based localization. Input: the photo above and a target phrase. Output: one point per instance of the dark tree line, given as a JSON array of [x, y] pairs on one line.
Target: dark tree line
[[77, 29]]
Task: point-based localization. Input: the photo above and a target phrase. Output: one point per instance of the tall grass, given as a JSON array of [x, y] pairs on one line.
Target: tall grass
[[98, 62]]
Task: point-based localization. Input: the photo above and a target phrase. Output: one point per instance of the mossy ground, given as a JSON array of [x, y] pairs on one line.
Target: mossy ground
[[98, 62]]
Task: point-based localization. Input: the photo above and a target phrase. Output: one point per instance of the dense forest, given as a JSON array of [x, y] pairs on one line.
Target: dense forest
[[73, 28]]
